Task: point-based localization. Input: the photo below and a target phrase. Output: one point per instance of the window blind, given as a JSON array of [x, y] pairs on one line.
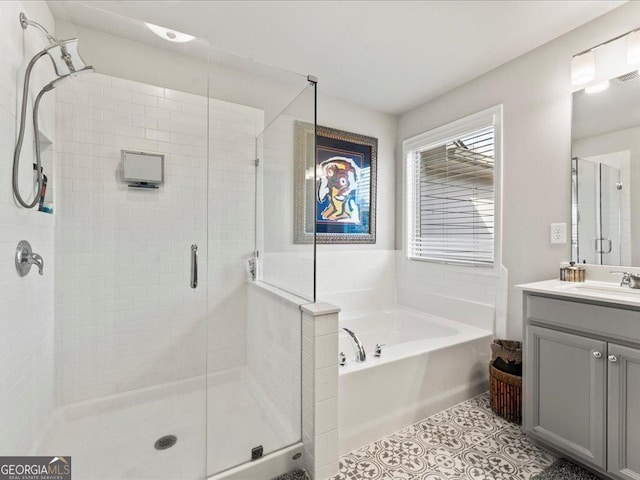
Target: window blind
[[452, 186]]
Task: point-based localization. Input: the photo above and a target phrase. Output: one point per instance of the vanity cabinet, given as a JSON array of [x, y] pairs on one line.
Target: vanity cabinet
[[582, 382], [566, 392], [624, 411]]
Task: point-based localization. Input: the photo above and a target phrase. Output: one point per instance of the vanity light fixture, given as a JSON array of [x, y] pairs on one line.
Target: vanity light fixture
[[583, 68], [168, 34], [633, 48], [598, 87], [583, 64]]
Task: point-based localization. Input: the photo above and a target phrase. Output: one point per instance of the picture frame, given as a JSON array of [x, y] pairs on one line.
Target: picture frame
[[341, 197]]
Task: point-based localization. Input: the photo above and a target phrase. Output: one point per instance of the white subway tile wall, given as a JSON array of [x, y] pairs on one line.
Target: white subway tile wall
[[357, 279], [320, 389], [231, 203], [125, 315], [442, 280], [352, 279], [290, 271], [274, 345], [452, 292], [26, 304]]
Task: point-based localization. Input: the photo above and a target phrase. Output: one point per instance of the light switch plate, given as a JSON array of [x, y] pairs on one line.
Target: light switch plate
[[558, 233]]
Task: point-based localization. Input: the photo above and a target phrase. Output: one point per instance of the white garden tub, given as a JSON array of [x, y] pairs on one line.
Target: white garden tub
[[428, 364]]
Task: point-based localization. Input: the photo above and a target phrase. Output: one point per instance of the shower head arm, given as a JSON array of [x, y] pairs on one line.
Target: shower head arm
[[25, 22]]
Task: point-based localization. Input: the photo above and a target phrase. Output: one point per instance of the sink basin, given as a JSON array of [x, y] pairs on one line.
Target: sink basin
[[602, 289], [606, 292]]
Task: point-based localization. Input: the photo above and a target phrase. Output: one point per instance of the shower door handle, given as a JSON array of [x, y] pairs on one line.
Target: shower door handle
[[599, 245], [194, 265]]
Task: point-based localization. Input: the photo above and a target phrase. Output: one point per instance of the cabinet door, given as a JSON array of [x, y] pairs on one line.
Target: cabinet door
[[565, 392], [624, 411]]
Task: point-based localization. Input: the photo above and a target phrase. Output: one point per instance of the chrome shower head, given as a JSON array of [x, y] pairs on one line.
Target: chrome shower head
[[67, 64], [65, 57], [64, 53], [64, 78]]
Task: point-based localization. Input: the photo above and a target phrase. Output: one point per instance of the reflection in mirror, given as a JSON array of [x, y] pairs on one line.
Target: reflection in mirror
[[605, 174]]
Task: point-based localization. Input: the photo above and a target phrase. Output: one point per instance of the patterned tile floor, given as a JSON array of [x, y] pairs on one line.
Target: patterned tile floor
[[465, 442]]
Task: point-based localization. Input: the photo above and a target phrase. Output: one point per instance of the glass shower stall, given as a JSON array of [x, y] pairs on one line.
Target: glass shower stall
[[601, 217], [169, 357]]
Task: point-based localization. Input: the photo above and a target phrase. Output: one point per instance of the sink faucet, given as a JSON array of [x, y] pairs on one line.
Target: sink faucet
[[361, 356], [630, 279]]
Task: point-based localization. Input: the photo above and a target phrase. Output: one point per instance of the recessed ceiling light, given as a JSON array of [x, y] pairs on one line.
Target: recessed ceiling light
[[598, 87], [168, 34]]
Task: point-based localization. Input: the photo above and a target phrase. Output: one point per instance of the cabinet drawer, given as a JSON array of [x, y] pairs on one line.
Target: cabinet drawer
[[610, 322]]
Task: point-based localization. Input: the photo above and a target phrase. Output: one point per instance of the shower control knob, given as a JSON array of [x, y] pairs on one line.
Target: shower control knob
[[613, 358], [342, 359], [378, 351], [597, 354]]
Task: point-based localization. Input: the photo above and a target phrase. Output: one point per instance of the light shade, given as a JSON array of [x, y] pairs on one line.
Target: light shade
[[583, 68], [598, 87], [168, 34], [633, 48]]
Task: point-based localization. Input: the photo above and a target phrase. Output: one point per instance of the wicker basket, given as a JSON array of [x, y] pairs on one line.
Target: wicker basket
[[506, 394]]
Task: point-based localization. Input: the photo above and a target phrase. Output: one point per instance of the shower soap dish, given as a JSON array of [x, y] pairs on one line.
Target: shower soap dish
[[572, 273]]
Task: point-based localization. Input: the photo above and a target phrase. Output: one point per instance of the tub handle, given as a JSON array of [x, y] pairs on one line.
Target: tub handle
[[378, 351]]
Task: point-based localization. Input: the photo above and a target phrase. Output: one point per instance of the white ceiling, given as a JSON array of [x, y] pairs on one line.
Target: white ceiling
[[387, 55]]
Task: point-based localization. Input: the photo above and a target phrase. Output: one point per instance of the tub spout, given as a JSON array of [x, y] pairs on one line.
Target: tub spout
[[361, 356], [37, 260]]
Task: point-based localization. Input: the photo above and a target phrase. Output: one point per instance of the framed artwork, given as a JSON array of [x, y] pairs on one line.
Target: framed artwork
[[342, 199]]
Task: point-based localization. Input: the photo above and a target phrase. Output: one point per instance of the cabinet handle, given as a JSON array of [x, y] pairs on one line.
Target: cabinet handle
[[597, 354], [194, 266], [613, 358]]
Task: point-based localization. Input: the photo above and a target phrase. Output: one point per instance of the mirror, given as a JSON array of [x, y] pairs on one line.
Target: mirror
[[605, 174]]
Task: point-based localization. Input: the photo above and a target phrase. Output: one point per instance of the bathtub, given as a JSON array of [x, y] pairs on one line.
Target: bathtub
[[428, 363]]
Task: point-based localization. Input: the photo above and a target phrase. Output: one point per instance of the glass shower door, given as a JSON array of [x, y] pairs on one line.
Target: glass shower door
[[586, 215], [609, 243], [254, 336]]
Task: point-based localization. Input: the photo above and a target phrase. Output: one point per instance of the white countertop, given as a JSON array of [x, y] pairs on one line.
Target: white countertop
[[607, 292]]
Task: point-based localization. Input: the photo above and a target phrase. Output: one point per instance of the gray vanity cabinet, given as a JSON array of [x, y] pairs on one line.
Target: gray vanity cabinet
[[566, 392], [582, 381], [624, 411]]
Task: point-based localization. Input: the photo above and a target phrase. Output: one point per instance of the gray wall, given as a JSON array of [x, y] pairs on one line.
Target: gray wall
[[536, 92]]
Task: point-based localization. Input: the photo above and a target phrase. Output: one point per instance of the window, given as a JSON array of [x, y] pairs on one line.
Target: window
[[452, 182]]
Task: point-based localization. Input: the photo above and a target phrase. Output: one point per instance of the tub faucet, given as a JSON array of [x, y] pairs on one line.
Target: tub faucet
[[36, 260], [361, 356]]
